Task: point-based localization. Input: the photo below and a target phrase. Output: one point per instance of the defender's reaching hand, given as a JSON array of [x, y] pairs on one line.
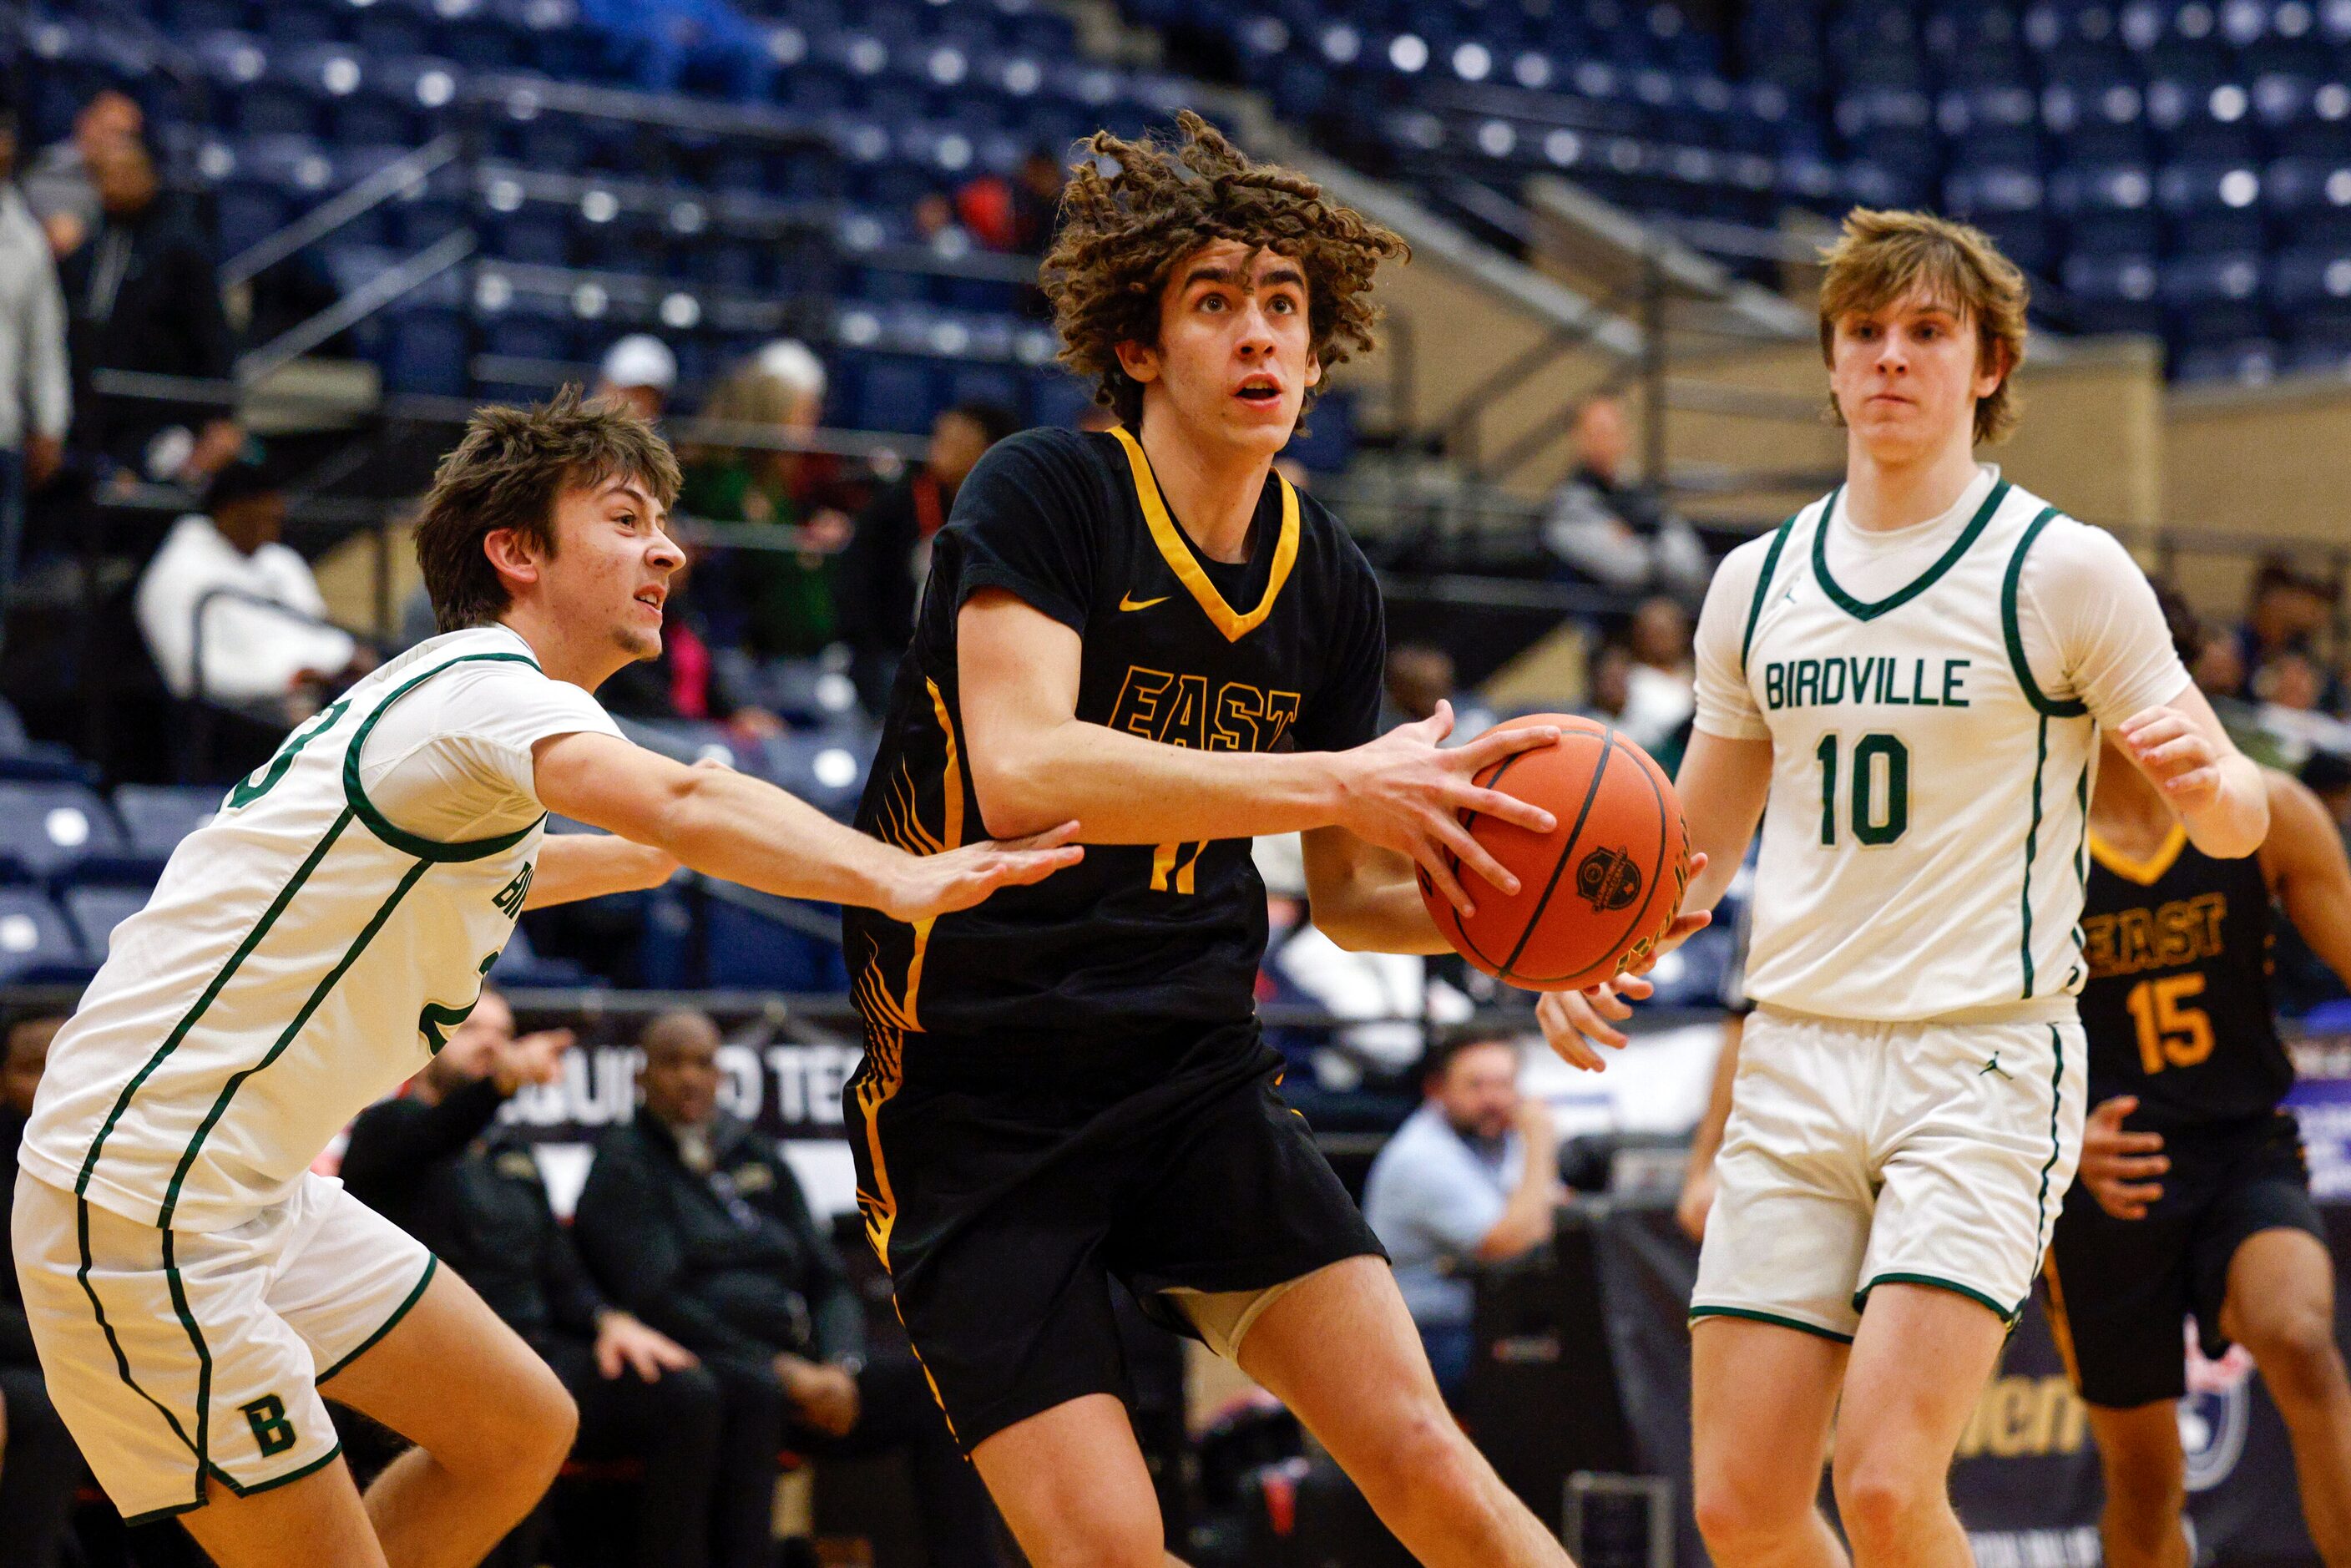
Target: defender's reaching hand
[[957, 879]]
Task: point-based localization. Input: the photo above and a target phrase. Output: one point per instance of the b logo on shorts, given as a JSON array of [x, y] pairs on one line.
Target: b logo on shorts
[[271, 1430]]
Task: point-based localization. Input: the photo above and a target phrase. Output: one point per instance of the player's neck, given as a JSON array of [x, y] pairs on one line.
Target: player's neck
[[1211, 488], [1882, 494], [564, 652], [2124, 809]]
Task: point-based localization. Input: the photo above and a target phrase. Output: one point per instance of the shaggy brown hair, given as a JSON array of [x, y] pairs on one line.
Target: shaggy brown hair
[[1884, 257], [507, 474], [1122, 233]]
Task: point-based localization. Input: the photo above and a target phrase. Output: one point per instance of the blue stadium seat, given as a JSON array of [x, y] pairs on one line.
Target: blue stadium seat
[[96, 910], [156, 817], [52, 829], [744, 949], [520, 967], [36, 943]]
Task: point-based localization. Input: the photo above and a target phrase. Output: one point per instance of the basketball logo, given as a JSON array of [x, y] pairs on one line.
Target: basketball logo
[[1607, 879]]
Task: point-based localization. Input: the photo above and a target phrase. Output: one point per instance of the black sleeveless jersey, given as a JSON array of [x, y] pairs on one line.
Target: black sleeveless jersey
[[2178, 1004], [1284, 651]]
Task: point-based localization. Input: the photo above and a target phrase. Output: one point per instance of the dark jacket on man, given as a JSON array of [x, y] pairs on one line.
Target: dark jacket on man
[[142, 294], [469, 1189], [730, 1264]]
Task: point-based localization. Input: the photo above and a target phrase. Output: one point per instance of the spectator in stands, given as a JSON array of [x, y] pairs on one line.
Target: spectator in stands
[[39, 1465], [641, 372], [786, 595], [1419, 676], [1608, 683], [1603, 530], [439, 1163], [264, 645], [880, 571], [936, 225], [1016, 214], [1471, 1177], [2289, 609], [671, 46], [36, 386], [59, 184], [696, 1221], [683, 684], [141, 297], [1661, 682]]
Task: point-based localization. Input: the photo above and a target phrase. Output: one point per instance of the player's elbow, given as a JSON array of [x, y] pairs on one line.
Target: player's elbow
[[1018, 790]]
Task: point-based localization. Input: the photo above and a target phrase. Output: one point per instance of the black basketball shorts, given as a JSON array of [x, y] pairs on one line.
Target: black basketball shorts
[[1006, 1182], [2119, 1289]]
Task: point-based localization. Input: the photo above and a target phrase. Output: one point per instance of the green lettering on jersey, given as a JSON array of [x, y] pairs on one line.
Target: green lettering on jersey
[[264, 780], [510, 897]]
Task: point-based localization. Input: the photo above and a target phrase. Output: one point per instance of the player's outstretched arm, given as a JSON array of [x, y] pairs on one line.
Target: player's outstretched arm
[[2305, 864], [729, 825], [2216, 791], [1034, 762], [1723, 784], [573, 866]]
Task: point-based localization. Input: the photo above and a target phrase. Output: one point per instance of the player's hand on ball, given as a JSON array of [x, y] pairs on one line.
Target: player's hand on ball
[[2118, 1166], [1574, 1022], [957, 879], [2174, 753], [1404, 792]]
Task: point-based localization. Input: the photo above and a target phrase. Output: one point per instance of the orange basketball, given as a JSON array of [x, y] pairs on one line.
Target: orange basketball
[[1598, 890]]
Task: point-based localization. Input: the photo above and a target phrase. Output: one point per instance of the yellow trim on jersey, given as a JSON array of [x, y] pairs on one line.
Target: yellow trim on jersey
[[1177, 549], [2145, 872], [885, 1070]]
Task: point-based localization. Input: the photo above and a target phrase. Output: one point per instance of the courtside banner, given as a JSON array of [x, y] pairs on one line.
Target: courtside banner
[[2026, 1481]]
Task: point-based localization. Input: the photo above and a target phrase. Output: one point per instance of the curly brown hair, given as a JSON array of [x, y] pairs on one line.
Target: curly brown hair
[[1122, 233]]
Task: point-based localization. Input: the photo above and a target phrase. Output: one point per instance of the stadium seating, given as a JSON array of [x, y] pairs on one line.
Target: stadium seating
[[36, 944]]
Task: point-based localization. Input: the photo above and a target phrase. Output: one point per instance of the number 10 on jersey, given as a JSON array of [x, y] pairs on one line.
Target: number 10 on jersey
[[1878, 811]]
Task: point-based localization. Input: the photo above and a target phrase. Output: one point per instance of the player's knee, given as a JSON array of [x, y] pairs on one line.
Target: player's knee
[[535, 1430], [1883, 1505], [1738, 1514], [2143, 1502], [1421, 1456], [1103, 1542], [2293, 1344]]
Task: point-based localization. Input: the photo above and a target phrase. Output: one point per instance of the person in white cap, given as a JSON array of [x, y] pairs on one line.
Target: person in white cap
[[640, 372]]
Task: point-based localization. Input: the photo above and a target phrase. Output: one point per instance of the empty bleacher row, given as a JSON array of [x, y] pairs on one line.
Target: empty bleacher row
[[2176, 167]]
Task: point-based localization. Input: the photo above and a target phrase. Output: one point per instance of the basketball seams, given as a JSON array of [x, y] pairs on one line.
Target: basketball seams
[[1469, 821], [1591, 793], [1664, 823]]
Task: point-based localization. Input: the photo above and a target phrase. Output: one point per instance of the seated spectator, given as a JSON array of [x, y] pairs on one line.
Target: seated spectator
[[2288, 611], [881, 572], [936, 228], [1420, 676], [694, 1221], [1471, 1177], [39, 1465], [1014, 216], [1661, 681], [142, 297], [262, 645], [58, 183], [1603, 530], [785, 596], [640, 372], [438, 1164]]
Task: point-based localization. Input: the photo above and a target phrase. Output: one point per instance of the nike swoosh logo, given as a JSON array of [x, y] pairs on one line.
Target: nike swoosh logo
[[1131, 602]]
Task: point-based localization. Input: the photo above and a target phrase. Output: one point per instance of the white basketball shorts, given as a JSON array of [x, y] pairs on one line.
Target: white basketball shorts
[[172, 1355], [1859, 1155]]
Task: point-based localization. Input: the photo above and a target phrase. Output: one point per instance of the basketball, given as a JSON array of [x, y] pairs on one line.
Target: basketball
[[1598, 890]]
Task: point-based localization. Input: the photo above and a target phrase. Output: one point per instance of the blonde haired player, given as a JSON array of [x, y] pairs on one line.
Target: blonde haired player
[[192, 1287], [1913, 672]]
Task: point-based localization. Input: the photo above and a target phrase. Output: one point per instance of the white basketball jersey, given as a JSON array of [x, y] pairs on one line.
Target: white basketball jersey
[[1924, 849], [301, 957]]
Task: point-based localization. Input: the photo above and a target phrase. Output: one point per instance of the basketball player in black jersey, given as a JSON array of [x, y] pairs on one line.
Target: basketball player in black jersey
[[1148, 632], [2192, 1197]]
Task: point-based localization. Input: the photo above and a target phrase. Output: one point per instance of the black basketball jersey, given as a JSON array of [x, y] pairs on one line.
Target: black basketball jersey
[[2178, 1004], [1284, 651]]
